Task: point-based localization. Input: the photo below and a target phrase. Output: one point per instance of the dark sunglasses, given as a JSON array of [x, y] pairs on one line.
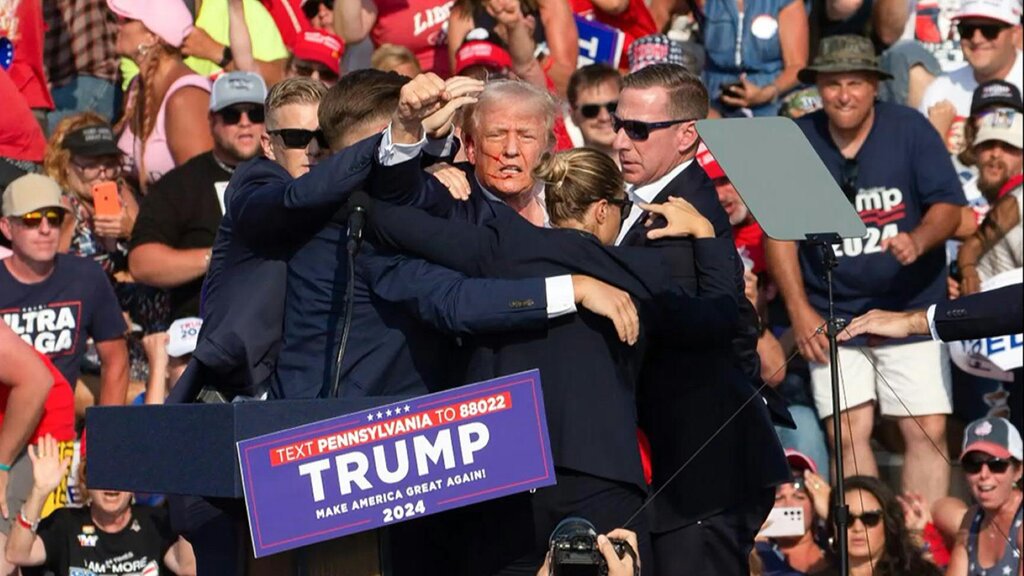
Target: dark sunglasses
[[870, 518], [311, 9], [639, 131], [300, 137], [306, 70], [850, 171], [233, 114], [53, 216], [591, 111], [625, 206], [989, 31], [972, 464]]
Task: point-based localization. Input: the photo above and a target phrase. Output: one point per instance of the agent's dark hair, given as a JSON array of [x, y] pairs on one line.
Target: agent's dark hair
[[901, 558], [359, 99], [591, 76], [687, 96]]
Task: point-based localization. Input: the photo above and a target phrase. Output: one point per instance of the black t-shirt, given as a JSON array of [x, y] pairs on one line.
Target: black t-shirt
[[75, 546], [183, 210], [60, 313]]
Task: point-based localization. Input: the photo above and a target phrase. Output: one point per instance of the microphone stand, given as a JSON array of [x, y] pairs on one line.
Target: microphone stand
[[833, 325], [356, 219]]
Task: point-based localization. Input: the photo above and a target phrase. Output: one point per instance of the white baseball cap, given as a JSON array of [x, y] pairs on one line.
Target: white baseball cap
[[1002, 124], [1007, 11], [183, 335]]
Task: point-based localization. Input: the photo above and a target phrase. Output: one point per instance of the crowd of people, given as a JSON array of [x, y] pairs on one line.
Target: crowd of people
[[177, 176]]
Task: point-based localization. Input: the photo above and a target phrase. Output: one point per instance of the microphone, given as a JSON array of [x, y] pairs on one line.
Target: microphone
[[358, 205]]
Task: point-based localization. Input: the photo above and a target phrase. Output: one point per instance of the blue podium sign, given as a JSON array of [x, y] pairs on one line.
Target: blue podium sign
[[398, 461]]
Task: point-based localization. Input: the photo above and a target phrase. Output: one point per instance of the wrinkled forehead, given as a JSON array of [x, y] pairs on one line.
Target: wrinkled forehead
[[506, 110]]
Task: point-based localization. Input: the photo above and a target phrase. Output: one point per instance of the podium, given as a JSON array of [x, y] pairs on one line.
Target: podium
[[190, 448]]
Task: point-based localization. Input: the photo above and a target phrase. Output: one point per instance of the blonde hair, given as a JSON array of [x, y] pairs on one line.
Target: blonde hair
[[57, 157], [390, 56], [574, 180], [299, 90], [141, 110]]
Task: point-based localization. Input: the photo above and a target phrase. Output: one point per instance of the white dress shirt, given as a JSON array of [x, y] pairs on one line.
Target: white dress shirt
[[561, 298], [646, 194]]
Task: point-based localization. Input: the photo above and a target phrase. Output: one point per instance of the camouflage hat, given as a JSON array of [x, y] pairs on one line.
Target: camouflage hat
[[846, 53]]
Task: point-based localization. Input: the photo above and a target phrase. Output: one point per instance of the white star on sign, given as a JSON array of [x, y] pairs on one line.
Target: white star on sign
[[388, 412], [379, 415], [406, 408], [1006, 570], [369, 417]]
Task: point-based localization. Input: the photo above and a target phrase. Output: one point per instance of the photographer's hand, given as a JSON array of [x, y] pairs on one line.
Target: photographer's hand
[[624, 566]]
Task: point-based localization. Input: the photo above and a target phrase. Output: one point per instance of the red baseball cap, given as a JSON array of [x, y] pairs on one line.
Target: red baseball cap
[[475, 52], [322, 47], [708, 163], [798, 462]]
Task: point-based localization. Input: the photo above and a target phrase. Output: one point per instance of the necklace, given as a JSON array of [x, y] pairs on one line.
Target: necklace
[[223, 166]]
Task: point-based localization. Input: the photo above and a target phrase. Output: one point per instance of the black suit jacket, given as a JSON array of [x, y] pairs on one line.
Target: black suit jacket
[[587, 374], [992, 313], [700, 409]]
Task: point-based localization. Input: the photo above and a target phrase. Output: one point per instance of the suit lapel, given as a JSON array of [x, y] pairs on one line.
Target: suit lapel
[[637, 232]]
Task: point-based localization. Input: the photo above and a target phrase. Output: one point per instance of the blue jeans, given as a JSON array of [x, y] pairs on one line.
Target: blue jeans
[[80, 94], [807, 438]]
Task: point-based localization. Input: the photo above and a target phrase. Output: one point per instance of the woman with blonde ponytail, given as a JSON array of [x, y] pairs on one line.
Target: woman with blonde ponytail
[[166, 108]]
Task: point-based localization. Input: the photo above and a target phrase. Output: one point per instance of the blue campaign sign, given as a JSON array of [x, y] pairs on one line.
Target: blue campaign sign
[[381, 466], [599, 42]]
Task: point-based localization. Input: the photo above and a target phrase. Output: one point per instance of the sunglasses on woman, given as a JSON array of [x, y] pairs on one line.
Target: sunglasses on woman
[[299, 137], [972, 464], [870, 519], [233, 114], [989, 31], [591, 111], [34, 219], [638, 131], [625, 206]]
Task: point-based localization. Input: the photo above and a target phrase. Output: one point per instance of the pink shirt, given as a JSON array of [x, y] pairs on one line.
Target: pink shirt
[[158, 155]]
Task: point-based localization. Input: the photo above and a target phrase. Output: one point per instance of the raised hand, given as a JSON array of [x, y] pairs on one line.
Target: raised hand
[[420, 97], [459, 91], [48, 469]]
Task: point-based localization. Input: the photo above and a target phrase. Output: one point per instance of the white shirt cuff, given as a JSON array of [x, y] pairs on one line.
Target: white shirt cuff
[[561, 296], [931, 322], [391, 154], [440, 147]]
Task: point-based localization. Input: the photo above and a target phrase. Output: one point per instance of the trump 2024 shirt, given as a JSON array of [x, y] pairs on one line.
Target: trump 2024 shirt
[[59, 314], [901, 169]]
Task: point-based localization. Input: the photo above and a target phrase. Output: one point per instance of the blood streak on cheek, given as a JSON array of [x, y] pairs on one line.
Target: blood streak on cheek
[[501, 164]]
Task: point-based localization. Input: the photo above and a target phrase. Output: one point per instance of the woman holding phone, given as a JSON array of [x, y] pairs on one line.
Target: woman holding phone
[[790, 552], [83, 158]]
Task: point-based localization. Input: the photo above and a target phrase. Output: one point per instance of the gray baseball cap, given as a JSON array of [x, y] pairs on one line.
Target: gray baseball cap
[[237, 88], [995, 436]]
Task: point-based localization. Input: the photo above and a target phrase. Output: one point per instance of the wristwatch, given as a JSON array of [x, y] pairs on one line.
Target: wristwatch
[[226, 57]]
